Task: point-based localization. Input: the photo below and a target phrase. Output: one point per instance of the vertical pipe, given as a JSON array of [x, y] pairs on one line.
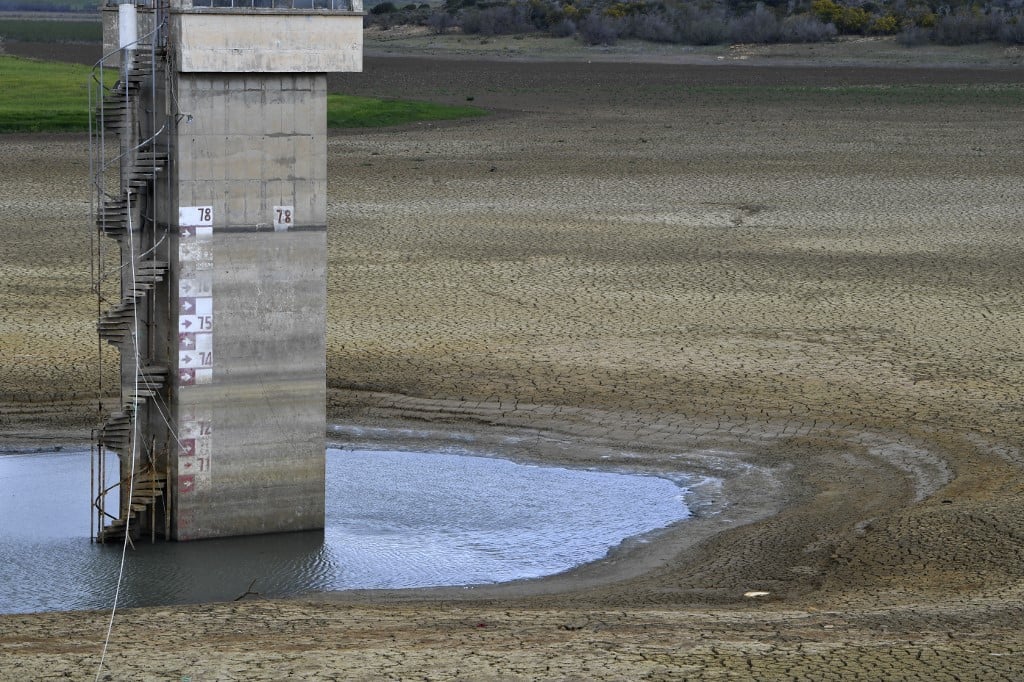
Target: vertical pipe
[[167, 501], [92, 489], [127, 25], [102, 498], [152, 506]]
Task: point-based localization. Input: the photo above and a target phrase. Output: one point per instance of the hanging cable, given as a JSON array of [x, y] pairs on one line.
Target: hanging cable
[[135, 438]]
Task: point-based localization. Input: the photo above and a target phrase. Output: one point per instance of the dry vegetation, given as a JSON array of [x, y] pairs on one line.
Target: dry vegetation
[[815, 269]]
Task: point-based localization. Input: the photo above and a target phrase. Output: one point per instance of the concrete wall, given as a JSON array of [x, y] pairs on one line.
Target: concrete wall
[[249, 259], [267, 41]]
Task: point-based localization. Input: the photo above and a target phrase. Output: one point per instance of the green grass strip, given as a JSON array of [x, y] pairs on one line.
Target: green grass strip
[[38, 96], [345, 111]]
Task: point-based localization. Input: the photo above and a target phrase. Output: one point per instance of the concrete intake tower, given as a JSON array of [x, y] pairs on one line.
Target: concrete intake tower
[[209, 166]]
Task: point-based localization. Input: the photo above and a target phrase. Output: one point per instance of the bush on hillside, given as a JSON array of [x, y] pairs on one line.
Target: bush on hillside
[[758, 26], [493, 21], [441, 22], [655, 28], [804, 28], [914, 36], [711, 22], [1013, 33], [563, 29], [596, 29], [705, 30], [964, 28]]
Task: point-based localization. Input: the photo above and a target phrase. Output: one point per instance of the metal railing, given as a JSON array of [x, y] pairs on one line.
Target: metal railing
[[335, 5], [330, 5]]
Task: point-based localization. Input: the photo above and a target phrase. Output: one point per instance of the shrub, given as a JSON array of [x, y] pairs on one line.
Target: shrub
[[573, 12], [383, 8], [827, 10], [656, 28], [914, 36], [993, 24], [886, 25], [440, 22], [563, 29], [704, 30], [620, 10], [1013, 32], [804, 28], [544, 14], [757, 26], [494, 21], [853, 20], [962, 28], [599, 30], [845, 19]]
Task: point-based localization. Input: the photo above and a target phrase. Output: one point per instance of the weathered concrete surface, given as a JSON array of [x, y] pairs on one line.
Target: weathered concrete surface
[[252, 148], [250, 142], [230, 41], [829, 287]]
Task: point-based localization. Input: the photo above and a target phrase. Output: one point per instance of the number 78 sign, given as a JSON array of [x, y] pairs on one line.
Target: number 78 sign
[[284, 218], [195, 216]]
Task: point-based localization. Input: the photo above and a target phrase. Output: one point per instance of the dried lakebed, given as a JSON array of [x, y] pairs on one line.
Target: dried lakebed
[[830, 288]]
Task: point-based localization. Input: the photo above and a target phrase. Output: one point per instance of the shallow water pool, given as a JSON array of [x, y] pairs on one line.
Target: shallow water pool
[[395, 519]]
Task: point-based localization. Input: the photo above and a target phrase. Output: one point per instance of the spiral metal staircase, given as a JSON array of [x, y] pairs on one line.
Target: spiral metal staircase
[[124, 120]]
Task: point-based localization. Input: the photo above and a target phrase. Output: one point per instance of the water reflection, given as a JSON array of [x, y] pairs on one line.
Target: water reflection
[[394, 519]]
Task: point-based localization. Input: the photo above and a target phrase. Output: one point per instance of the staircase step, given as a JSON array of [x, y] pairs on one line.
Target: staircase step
[[146, 492], [141, 393]]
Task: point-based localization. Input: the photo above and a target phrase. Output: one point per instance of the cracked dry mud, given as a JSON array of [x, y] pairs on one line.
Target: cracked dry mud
[[823, 293]]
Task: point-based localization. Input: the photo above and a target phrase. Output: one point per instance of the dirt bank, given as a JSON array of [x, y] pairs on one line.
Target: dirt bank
[[652, 259]]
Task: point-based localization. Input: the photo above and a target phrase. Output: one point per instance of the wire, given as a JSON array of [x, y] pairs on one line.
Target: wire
[[135, 438]]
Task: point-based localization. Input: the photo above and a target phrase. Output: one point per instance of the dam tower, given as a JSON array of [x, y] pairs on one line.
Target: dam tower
[[209, 171]]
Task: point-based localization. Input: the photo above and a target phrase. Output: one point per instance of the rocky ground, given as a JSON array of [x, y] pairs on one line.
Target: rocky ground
[[820, 292]]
